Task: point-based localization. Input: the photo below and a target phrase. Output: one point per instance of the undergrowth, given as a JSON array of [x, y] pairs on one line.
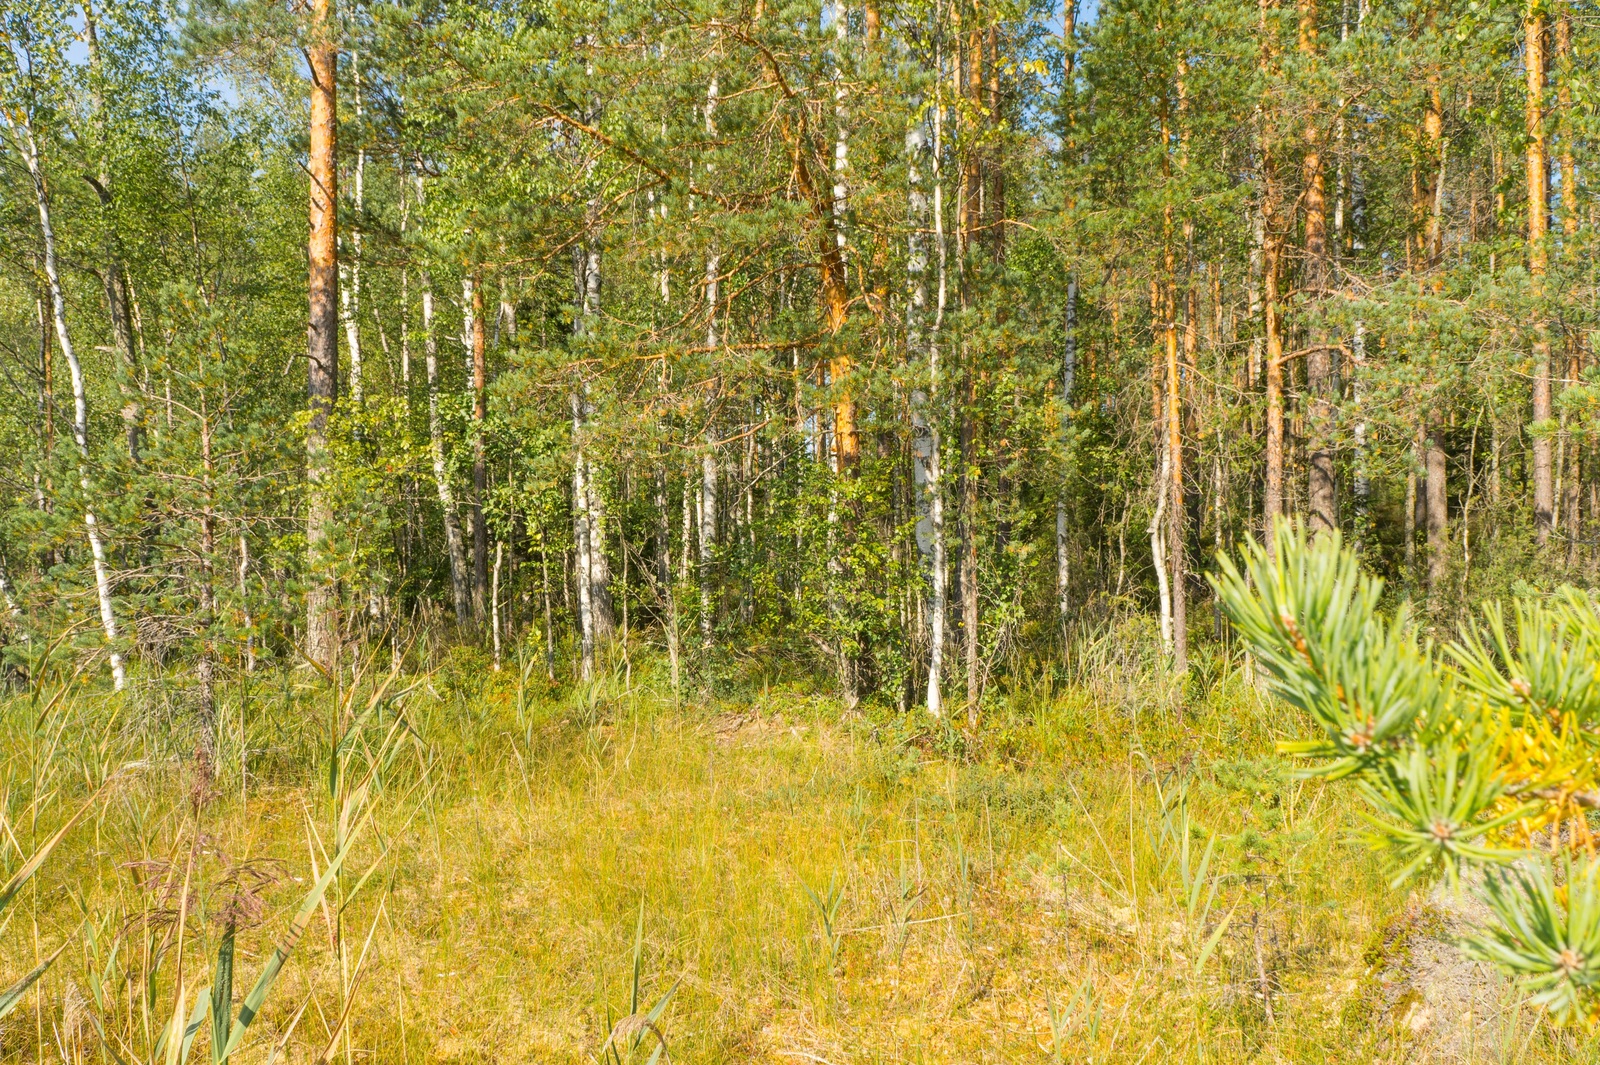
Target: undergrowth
[[1113, 873]]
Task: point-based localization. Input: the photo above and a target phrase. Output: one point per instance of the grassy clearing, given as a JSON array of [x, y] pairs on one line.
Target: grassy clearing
[[813, 889]]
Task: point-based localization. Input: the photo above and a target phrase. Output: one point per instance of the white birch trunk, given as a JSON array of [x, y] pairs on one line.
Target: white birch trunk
[[708, 459], [13, 611], [1158, 554], [454, 547], [708, 539], [664, 576], [244, 603], [841, 140], [1363, 480], [938, 591], [581, 542], [29, 150], [1069, 376], [494, 601], [350, 266]]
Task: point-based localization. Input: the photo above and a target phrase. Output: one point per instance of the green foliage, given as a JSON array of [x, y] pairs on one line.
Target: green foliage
[[1458, 759], [1548, 932]]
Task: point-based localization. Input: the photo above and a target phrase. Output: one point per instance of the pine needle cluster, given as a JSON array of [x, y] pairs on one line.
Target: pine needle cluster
[[1477, 759]]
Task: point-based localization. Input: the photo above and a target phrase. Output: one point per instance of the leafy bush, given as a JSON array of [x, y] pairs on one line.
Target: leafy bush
[[1466, 757]]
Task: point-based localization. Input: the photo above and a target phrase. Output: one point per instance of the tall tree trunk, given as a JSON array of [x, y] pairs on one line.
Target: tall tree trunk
[[923, 432], [969, 61], [494, 601], [1363, 478], [472, 298], [668, 589], [1069, 341], [322, 379], [708, 542], [8, 598], [1412, 504], [113, 280], [206, 664], [350, 269], [938, 592], [1158, 554], [969, 539], [582, 533], [835, 294], [28, 148], [602, 603], [244, 605], [1572, 505], [705, 573], [1316, 281], [1272, 500], [1435, 508], [588, 498], [1069, 377], [1538, 182], [1177, 512], [460, 592]]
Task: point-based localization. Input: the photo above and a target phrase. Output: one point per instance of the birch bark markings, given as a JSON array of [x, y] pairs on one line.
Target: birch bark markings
[[472, 298], [708, 459], [938, 592], [350, 271], [1572, 503], [28, 148], [454, 549], [114, 280], [1069, 339], [1176, 533]]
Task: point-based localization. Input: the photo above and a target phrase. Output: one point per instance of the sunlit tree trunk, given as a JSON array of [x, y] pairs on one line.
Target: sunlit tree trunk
[[22, 133], [1538, 183], [1435, 509], [1177, 512], [1316, 281], [664, 579], [1362, 488], [472, 301], [460, 593], [1572, 505], [206, 663], [582, 532], [350, 267], [1069, 341], [322, 382], [705, 572], [708, 542], [113, 281], [938, 593], [1272, 502], [1157, 532], [1069, 377]]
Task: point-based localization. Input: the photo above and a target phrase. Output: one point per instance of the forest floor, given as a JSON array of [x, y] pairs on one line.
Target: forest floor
[[1094, 877]]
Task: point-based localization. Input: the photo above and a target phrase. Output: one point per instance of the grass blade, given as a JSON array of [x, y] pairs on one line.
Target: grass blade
[[251, 1007], [1213, 940], [14, 993], [31, 866]]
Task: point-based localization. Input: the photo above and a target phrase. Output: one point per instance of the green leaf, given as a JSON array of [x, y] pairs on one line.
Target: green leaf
[[14, 993], [1212, 940]]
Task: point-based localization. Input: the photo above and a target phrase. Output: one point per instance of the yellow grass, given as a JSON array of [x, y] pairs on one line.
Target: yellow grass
[[1013, 898]]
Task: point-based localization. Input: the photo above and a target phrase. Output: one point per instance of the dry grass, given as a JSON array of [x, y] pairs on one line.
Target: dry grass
[[815, 890]]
